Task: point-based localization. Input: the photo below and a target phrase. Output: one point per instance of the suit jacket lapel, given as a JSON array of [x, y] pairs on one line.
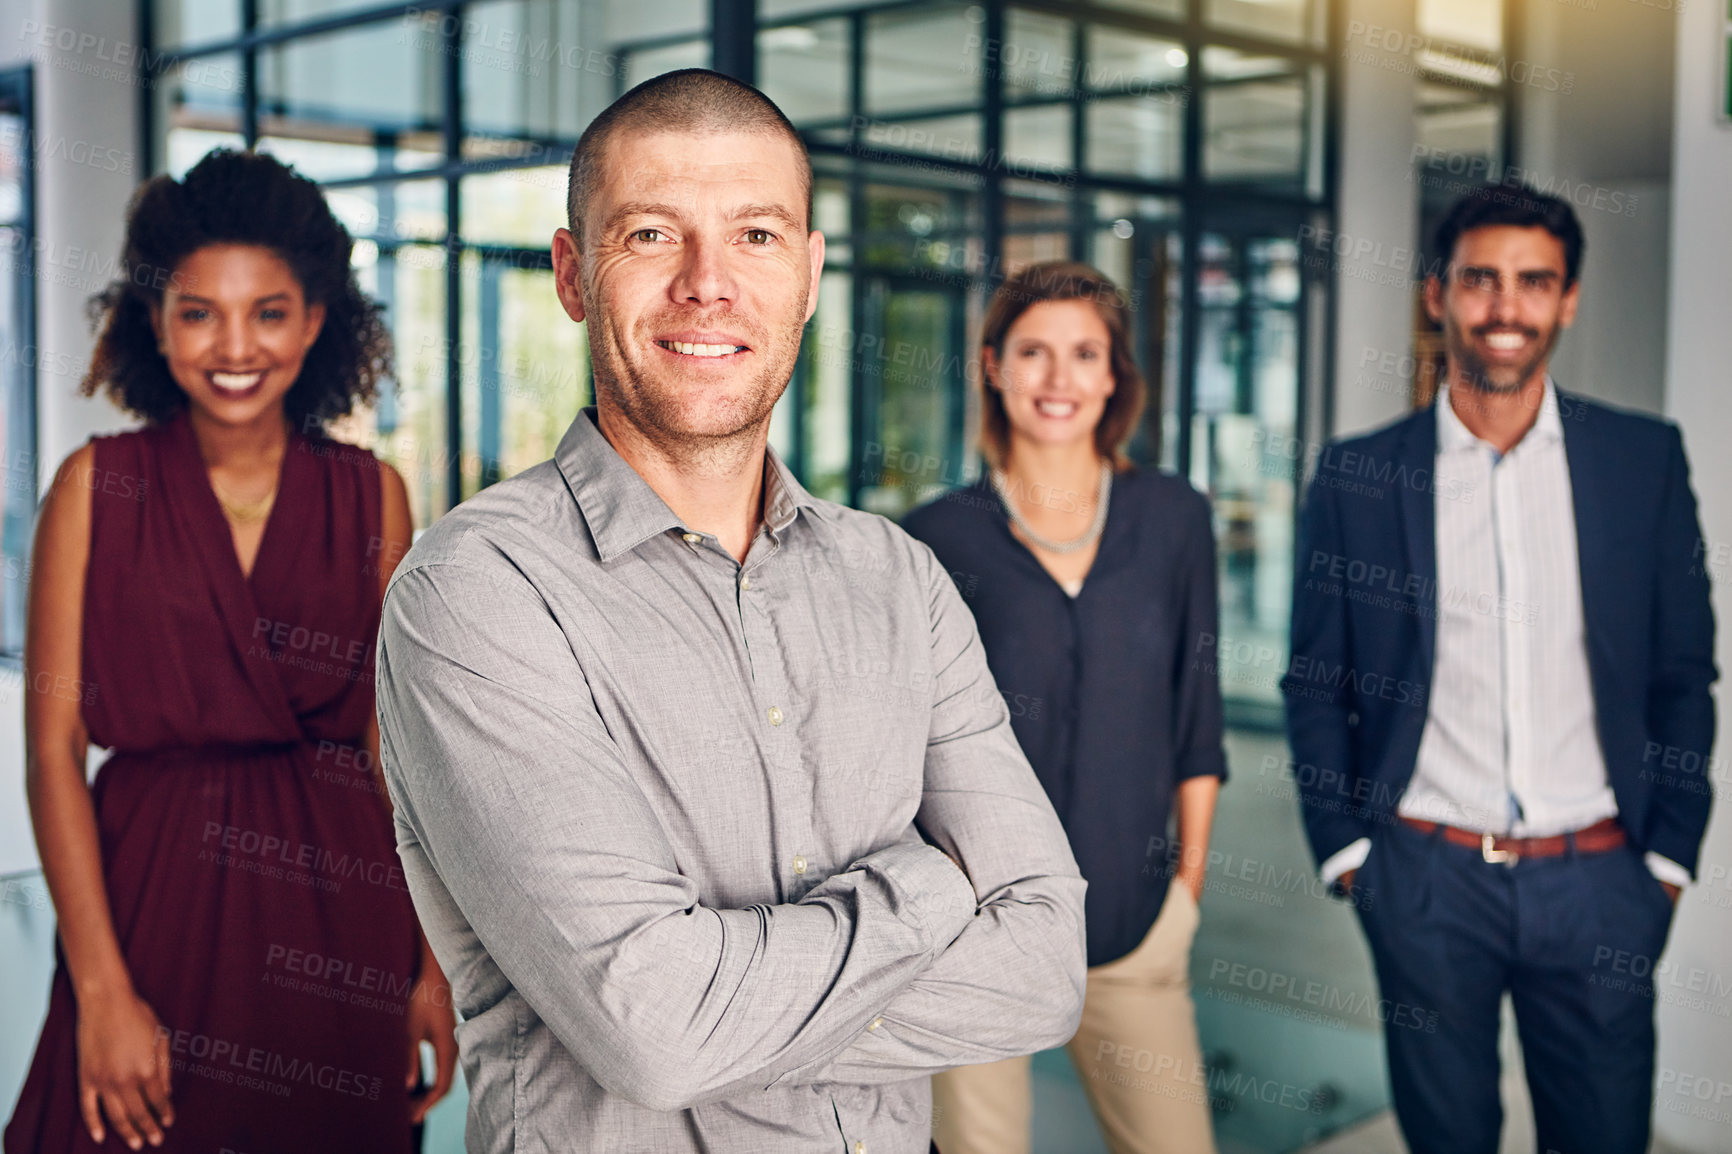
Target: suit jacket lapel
[[1594, 550], [1419, 524]]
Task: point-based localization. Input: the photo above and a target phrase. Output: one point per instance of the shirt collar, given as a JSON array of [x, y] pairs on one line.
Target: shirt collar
[[1453, 436], [621, 509]]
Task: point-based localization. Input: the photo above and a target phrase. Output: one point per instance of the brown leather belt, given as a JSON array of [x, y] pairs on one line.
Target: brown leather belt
[[1601, 837]]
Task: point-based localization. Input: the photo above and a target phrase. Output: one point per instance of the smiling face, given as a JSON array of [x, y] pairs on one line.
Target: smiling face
[[1055, 372], [235, 327], [1503, 307], [696, 279]]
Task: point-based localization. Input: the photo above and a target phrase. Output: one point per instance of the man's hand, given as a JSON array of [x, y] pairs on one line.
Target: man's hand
[[1345, 881], [1672, 891]]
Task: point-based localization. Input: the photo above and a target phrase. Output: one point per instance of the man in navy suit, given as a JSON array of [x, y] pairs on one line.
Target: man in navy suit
[[1501, 656]]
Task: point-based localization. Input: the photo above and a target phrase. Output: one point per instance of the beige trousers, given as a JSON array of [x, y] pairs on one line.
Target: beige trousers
[[1136, 1052]]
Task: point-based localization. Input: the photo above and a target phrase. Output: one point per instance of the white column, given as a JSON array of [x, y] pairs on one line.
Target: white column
[[86, 168], [1695, 984], [1378, 219]]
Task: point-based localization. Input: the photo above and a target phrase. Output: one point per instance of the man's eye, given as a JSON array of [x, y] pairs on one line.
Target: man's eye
[[648, 235], [759, 236]]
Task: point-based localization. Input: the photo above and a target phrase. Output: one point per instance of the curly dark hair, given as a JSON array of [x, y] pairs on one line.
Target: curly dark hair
[[234, 197]]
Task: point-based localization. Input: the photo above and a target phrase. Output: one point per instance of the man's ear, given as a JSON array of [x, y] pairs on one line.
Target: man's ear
[[568, 273], [1571, 301], [1434, 299], [815, 249]]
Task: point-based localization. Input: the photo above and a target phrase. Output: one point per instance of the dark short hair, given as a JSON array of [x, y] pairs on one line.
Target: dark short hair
[[245, 198], [687, 100], [1063, 280], [1517, 205]]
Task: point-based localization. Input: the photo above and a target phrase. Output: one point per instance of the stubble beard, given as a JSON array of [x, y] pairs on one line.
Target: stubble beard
[[663, 418], [1475, 374]]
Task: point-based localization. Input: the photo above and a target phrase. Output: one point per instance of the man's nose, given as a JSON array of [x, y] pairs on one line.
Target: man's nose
[[1504, 301], [704, 277]]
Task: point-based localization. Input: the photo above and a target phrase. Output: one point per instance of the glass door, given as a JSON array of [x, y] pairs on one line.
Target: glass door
[[913, 373], [1250, 349]]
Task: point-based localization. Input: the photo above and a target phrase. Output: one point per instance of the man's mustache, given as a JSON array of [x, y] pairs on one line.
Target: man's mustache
[[1486, 330]]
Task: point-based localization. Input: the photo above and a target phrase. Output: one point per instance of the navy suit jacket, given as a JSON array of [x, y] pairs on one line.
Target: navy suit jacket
[[1365, 625]]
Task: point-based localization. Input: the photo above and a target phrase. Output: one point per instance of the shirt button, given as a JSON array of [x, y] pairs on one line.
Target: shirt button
[[799, 865], [691, 538], [745, 582], [876, 1022], [775, 715], [859, 1148]]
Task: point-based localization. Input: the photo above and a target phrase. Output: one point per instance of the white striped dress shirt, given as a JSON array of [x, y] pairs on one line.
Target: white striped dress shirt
[[1510, 744]]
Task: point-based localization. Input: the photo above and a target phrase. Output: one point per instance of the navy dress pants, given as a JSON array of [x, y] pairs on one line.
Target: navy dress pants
[[1450, 932]]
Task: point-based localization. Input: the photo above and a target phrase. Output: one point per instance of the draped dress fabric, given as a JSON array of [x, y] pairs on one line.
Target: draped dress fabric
[[248, 857]]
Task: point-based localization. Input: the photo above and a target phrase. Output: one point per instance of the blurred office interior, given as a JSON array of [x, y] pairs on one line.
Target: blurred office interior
[[1259, 175]]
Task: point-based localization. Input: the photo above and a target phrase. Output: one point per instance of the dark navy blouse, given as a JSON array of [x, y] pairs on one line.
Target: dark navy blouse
[[1114, 694]]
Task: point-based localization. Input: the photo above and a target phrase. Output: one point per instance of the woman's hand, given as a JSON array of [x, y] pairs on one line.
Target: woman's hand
[[431, 1020], [123, 1068], [1196, 813]]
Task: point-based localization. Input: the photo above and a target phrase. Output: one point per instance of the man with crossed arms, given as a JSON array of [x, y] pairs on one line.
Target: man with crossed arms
[[705, 795]]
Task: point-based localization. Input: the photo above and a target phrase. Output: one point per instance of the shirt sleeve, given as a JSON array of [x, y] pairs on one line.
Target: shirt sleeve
[[1666, 869], [1013, 982], [1200, 738], [1349, 857], [530, 847]]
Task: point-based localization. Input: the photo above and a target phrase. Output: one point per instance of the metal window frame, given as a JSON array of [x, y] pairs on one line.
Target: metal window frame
[[17, 95], [732, 35]]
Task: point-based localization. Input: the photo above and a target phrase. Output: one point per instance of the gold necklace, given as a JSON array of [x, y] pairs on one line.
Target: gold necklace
[[245, 511]]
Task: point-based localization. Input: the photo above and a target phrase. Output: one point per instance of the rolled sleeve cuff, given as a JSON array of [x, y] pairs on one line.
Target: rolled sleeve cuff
[[1349, 857], [932, 889], [1202, 763], [1666, 869]]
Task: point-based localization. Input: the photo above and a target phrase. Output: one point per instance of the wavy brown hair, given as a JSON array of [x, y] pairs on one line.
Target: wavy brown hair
[[233, 197], [1063, 280]]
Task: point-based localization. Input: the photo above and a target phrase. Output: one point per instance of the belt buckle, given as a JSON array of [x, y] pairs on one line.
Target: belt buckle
[[1496, 856]]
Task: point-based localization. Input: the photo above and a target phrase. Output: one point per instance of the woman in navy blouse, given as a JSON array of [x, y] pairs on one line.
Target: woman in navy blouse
[[1094, 586]]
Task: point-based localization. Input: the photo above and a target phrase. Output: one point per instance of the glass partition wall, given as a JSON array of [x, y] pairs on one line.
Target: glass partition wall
[[1184, 146], [1181, 145], [19, 359]]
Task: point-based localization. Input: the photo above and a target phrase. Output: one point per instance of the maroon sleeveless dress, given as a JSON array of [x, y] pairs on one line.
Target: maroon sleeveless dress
[[249, 862]]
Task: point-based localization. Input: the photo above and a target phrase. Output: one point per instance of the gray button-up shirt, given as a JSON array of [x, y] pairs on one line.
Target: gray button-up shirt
[[661, 814]]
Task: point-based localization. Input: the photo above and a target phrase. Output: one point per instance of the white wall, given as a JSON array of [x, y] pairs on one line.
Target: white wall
[[86, 167], [1602, 138], [1696, 1023]]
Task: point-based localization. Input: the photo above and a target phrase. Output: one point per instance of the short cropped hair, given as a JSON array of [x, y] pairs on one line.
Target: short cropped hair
[[1517, 205], [689, 100], [1063, 280]]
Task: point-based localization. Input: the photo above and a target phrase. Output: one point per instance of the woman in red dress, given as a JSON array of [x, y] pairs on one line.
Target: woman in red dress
[[239, 965]]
